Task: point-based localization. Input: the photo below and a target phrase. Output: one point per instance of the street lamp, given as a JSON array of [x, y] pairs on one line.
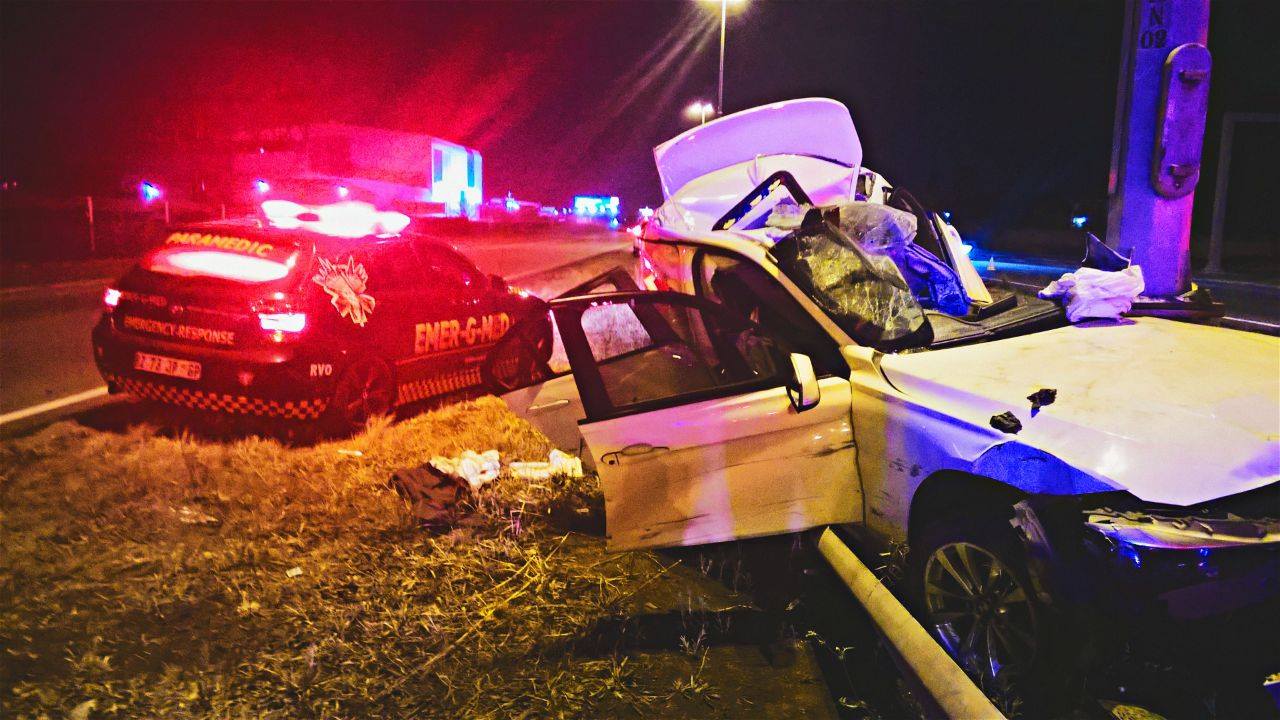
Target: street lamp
[[700, 110], [724, 14]]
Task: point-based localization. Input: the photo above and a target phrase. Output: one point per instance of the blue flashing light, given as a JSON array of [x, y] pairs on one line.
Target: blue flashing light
[[262, 186], [613, 223], [150, 191], [946, 215], [1079, 221]]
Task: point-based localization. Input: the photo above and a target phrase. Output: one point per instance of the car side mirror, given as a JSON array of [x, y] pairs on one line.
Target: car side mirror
[[802, 386]]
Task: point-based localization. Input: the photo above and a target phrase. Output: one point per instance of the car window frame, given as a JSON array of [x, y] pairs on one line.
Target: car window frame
[[591, 386], [697, 267]]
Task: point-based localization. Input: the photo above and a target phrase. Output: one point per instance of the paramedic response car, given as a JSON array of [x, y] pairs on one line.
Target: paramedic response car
[[817, 350], [301, 325]]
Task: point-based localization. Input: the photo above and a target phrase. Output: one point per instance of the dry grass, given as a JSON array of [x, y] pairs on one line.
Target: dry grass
[[145, 576]]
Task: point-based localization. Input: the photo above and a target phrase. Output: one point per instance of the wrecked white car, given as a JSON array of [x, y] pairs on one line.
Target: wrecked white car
[[814, 348]]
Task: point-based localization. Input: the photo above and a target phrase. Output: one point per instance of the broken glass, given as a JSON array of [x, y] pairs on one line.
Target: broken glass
[[863, 293]]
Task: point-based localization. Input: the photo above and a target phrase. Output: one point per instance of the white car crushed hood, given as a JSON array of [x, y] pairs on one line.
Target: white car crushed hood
[[1171, 412], [708, 169]]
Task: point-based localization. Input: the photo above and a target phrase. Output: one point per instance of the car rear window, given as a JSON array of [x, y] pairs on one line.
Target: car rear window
[[234, 254]]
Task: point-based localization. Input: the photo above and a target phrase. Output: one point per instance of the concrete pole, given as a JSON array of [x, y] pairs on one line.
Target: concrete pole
[[1225, 142], [1149, 223]]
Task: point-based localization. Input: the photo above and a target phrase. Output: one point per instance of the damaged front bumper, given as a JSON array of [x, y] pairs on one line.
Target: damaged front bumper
[[1197, 562]]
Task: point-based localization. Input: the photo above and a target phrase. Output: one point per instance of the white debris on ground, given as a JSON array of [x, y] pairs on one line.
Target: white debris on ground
[[1096, 294], [477, 469], [558, 463]]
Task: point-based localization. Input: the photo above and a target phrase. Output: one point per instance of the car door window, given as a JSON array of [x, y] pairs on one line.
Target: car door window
[[738, 283], [395, 267], [449, 272], [648, 351]]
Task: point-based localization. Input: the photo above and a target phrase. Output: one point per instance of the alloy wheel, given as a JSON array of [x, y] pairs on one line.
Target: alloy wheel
[[981, 613], [371, 394]]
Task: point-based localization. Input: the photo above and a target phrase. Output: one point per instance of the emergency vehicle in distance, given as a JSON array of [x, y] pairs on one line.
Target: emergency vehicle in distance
[[330, 314]]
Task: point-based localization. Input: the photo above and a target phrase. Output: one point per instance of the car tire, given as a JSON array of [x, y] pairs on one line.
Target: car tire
[[366, 389], [969, 583], [525, 351]]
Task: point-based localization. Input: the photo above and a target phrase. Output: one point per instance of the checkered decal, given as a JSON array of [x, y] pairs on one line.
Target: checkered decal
[[218, 402], [423, 389]]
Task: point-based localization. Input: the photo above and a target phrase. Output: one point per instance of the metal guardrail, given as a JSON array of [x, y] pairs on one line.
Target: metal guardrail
[[947, 685]]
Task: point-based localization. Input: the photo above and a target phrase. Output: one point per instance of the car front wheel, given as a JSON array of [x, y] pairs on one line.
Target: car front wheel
[[973, 592]]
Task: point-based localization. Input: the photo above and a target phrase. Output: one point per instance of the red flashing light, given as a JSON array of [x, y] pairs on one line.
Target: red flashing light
[[111, 297], [344, 219]]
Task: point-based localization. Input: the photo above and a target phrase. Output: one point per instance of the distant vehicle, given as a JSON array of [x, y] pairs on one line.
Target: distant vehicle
[[821, 352], [297, 324], [414, 173]]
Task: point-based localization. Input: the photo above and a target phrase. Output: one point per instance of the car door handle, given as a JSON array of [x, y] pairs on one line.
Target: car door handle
[[547, 406], [636, 450]]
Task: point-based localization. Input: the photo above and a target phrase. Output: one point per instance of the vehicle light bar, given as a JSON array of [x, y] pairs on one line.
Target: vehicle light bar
[[287, 322], [343, 219], [223, 265], [111, 297]]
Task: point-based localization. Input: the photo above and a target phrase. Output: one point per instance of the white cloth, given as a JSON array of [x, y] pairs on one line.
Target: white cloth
[[558, 463], [478, 469], [1089, 293]]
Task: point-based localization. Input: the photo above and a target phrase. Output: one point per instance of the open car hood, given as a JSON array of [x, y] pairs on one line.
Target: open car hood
[[707, 169], [1171, 412]]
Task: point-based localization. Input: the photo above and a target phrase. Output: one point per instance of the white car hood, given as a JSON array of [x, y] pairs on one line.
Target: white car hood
[[1171, 412]]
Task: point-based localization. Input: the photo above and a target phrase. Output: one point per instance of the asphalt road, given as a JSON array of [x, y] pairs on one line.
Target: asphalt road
[[44, 332]]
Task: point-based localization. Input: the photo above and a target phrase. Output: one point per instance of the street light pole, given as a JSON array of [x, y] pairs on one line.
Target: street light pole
[[724, 12]]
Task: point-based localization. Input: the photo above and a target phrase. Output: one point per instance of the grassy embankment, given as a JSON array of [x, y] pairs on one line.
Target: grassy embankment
[[151, 576]]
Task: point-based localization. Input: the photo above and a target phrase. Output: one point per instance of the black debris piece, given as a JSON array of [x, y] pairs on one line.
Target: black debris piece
[[433, 498], [1041, 398], [1006, 422]]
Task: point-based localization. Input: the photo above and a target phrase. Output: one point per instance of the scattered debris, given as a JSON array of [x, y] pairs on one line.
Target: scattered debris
[[432, 495], [1006, 422], [190, 516], [558, 463], [350, 453], [1042, 398], [477, 469], [1097, 294], [293, 572]]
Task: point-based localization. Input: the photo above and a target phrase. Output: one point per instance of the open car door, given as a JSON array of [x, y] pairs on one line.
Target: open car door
[[698, 424]]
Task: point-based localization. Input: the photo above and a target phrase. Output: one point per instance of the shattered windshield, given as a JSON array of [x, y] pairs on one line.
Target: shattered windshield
[[864, 294]]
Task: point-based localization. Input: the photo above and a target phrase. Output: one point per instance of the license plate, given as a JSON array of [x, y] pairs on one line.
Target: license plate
[[161, 365]]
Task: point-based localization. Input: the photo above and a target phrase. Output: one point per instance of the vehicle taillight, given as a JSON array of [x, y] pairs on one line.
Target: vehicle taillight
[[278, 316], [111, 297], [291, 322]]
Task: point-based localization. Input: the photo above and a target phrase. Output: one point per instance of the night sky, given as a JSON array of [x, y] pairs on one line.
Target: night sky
[[1001, 111]]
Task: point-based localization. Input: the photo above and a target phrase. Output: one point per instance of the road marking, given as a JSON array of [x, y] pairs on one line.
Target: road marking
[[52, 405]]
